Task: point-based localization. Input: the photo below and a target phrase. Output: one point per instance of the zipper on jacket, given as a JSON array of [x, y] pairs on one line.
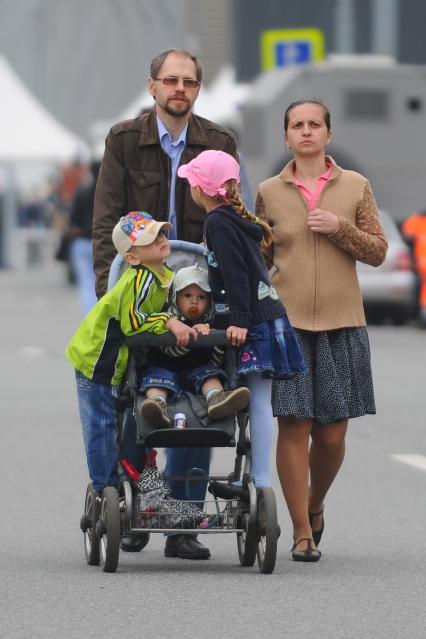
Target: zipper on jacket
[[305, 202]]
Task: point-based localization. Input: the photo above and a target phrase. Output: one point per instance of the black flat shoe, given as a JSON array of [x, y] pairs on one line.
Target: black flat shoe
[[134, 543], [308, 555], [317, 534], [185, 547]]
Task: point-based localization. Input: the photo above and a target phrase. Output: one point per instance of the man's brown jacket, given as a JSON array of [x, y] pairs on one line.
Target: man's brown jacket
[[135, 176]]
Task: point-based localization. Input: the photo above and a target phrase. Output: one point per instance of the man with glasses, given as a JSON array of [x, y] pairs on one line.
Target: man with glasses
[[139, 173], [139, 167]]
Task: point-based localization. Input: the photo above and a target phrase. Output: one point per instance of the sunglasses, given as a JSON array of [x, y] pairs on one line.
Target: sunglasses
[[171, 81]]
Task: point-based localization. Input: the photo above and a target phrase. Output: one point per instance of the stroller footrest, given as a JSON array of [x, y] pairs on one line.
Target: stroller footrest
[[189, 437]]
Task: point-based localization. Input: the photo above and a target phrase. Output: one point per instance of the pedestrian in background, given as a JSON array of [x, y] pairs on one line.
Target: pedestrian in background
[[139, 172], [323, 219], [80, 233], [414, 230]]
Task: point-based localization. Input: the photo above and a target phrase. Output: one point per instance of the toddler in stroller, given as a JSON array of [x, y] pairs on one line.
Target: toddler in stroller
[[199, 371]]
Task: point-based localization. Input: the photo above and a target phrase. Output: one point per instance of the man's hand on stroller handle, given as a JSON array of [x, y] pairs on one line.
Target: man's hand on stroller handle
[[236, 335], [181, 331]]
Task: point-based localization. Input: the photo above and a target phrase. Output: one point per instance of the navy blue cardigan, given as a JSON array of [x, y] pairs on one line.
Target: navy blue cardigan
[[238, 274]]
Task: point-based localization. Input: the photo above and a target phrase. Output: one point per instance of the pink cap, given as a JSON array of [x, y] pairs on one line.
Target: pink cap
[[210, 170]]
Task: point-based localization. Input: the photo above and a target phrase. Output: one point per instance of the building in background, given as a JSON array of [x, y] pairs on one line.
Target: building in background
[[208, 33], [86, 60], [391, 27]]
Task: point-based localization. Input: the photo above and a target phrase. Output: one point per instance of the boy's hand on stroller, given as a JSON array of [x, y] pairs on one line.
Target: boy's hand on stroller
[[204, 329], [236, 335], [181, 331]]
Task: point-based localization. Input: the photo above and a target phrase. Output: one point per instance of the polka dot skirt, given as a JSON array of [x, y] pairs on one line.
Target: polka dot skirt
[[338, 384]]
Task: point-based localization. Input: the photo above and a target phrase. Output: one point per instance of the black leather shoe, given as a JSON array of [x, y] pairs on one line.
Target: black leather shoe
[[317, 534], [134, 543], [185, 547], [309, 554], [229, 491]]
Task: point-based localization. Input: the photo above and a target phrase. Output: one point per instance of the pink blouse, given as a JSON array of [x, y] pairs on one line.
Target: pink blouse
[[312, 197]]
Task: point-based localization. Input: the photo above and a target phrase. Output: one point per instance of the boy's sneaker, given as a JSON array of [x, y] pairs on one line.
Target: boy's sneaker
[[155, 411], [225, 403]]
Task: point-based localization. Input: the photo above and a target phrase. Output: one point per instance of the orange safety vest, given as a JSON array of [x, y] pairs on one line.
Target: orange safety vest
[[414, 229]]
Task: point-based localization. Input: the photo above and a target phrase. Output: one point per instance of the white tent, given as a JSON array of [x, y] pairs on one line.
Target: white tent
[[27, 130], [223, 100], [32, 144]]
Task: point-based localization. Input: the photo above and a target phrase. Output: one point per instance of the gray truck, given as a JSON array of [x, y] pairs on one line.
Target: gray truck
[[378, 116]]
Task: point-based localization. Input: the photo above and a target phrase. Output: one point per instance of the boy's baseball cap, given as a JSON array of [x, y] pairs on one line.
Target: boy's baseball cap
[[137, 228], [210, 170], [191, 275]]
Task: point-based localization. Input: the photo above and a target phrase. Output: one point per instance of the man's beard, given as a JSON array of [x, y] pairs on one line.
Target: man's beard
[[177, 113]]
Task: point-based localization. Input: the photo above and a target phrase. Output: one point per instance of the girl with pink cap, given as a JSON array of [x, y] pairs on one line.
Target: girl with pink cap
[[240, 283]]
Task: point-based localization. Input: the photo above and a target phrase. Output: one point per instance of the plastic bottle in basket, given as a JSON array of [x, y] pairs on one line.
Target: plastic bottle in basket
[[179, 421]]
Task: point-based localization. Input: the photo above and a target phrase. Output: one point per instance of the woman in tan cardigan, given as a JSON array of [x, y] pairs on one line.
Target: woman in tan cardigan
[[324, 218]]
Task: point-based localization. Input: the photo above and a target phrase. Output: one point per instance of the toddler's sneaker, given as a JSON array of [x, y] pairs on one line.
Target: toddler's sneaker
[[225, 403], [155, 411]]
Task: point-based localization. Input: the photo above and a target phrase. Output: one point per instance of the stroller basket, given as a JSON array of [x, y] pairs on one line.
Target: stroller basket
[[162, 515]]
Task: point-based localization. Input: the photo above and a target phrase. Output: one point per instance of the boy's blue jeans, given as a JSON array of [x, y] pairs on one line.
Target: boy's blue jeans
[[98, 416]]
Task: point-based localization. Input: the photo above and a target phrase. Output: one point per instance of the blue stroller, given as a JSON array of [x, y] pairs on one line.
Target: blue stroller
[[242, 509]]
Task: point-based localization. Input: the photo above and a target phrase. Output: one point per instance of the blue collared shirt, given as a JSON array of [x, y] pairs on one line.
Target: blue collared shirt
[[174, 151]]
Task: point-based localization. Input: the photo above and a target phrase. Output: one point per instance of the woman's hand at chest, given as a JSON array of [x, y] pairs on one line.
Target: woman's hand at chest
[[321, 221]]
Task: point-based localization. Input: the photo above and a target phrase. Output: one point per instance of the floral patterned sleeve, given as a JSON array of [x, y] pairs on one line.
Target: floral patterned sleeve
[[268, 253], [366, 240]]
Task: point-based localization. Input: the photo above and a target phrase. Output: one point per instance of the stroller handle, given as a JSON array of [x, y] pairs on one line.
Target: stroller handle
[[215, 338]]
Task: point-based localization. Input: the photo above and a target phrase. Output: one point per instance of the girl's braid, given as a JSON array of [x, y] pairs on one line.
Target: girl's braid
[[240, 208]]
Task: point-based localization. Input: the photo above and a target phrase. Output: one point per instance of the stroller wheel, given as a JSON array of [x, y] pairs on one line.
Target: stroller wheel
[[246, 541], [247, 545], [88, 526], [109, 529], [267, 530]]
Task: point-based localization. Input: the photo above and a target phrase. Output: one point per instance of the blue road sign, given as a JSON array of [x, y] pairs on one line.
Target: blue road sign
[[292, 53], [286, 47]]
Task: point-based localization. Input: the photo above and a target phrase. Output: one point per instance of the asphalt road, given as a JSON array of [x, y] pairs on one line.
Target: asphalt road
[[370, 582]]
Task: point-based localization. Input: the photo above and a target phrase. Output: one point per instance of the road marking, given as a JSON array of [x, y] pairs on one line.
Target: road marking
[[419, 461]]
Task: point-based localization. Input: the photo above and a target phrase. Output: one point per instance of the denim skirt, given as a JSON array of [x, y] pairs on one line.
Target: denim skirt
[[272, 349], [338, 384]]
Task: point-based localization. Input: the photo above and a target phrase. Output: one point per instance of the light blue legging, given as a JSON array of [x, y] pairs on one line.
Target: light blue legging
[[261, 427]]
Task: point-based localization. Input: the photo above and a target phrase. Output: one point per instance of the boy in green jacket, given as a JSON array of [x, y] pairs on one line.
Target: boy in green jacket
[[98, 351]]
